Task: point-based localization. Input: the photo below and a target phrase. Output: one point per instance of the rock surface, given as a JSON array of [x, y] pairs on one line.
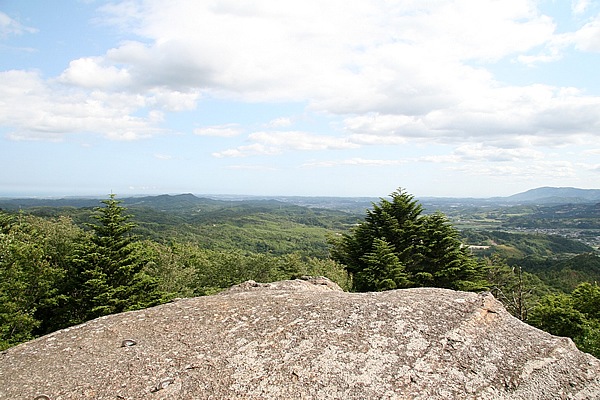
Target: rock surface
[[304, 339]]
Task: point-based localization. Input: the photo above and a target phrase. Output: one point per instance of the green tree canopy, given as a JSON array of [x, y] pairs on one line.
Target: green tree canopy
[[383, 270], [586, 298], [108, 276], [575, 316], [34, 254], [396, 246]]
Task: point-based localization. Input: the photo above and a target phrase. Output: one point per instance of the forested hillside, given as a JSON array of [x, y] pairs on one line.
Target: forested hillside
[[243, 225]]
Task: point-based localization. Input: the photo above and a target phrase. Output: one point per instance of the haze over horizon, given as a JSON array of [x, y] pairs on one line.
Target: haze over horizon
[[453, 98]]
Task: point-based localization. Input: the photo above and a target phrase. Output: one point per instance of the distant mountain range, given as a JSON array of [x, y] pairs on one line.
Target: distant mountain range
[[182, 202], [556, 195]]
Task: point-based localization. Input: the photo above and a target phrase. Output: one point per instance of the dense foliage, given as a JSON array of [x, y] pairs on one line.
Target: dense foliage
[[188, 270], [34, 258], [576, 315], [519, 245], [397, 247], [53, 274], [106, 275], [249, 226], [564, 274]]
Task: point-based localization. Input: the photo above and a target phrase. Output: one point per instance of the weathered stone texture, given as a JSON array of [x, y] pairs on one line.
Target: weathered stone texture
[[304, 340]]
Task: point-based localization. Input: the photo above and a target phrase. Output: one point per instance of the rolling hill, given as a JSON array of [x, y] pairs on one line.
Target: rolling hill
[[556, 195]]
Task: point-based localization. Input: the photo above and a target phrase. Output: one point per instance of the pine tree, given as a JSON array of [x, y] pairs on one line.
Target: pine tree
[[383, 270], [426, 249], [396, 222], [108, 276], [445, 261]]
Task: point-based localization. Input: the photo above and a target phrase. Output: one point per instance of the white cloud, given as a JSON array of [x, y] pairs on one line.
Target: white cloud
[[35, 110], [255, 149], [272, 143], [341, 55], [379, 140], [440, 159], [354, 162], [9, 26], [386, 125], [480, 152], [588, 37], [282, 122], [579, 6], [536, 114], [172, 100], [227, 130], [296, 140], [539, 170], [89, 73], [401, 70], [393, 71]]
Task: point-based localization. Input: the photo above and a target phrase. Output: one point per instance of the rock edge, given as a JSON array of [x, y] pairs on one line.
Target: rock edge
[[304, 339]]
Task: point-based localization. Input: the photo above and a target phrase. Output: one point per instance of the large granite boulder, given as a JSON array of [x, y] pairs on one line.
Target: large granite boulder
[[304, 339]]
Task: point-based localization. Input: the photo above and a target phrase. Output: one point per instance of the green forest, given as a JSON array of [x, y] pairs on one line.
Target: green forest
[[65, 262]]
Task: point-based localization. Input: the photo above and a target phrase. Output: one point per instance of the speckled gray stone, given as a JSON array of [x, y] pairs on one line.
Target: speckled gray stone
[[304, 339]]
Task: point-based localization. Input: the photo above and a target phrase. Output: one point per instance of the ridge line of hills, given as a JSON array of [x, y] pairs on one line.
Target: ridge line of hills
[[537, 196]]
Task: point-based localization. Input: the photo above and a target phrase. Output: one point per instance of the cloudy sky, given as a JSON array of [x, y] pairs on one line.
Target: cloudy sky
[[269, 97]]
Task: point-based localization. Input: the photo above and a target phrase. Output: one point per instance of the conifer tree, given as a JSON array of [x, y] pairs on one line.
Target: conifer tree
[[108, 276], [383, 270], [426, 249], [445, 262]]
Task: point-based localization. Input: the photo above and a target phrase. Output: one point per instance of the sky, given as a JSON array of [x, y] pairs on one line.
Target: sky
[[445, 98]]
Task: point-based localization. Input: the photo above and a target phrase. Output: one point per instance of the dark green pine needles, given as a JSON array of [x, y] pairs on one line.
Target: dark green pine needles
[[398, 247]]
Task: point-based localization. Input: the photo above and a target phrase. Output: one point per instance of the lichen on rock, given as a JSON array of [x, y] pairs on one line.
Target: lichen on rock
[[304, 339]]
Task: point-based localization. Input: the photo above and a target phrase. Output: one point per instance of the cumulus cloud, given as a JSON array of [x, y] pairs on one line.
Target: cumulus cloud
[[89, 73], [365, 54], [391, 71], [481, 152], [386, 125], [541, 114], [419, 67], [172, 100], [35, 110]]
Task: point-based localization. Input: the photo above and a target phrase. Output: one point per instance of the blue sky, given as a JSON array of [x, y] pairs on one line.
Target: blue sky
[[449, 98]]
